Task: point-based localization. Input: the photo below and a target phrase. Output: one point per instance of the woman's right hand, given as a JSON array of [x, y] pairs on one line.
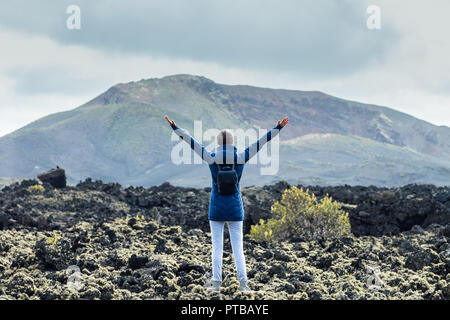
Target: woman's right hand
[[171, 122]]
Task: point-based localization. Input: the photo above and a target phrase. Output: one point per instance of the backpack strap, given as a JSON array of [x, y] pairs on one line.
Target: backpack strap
[[218, 166]]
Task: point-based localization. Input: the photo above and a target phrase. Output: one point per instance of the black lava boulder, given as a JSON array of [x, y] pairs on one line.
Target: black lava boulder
[[136, 262], [56, 177]]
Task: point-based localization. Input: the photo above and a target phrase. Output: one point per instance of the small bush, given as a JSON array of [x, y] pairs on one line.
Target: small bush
[[300, 214], [54, 238], [36, 189]]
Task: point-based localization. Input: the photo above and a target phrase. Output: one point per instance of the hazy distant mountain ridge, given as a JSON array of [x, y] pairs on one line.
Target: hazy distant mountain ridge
[[121, 135]]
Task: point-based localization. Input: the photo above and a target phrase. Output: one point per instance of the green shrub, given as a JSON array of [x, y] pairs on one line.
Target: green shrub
[[36, 189], [300, 214], [54, 238]]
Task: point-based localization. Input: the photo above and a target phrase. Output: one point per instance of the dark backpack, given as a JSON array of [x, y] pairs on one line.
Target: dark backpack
[[227, 179]]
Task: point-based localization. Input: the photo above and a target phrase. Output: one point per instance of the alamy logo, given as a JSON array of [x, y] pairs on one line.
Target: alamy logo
[[267, 157], [374, 279], [75, 280], [374, 19], [73, 22]]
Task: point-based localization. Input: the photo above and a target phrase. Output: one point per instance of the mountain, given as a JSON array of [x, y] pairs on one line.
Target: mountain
[[121, 136]]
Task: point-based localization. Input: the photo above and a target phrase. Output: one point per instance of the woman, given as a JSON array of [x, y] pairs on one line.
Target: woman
[[225, 205]]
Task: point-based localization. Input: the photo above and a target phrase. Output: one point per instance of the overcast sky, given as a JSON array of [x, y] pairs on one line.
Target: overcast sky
[[306, 45]]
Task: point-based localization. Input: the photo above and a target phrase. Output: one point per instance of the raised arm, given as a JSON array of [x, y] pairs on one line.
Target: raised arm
[[195, 145], [255, 147]]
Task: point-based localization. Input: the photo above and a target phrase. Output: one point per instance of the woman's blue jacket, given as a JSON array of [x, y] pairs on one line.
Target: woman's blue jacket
[[226, 207]]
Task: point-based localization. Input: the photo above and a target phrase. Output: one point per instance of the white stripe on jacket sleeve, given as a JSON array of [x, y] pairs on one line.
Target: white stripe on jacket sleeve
[[195, 145], [253, 149]]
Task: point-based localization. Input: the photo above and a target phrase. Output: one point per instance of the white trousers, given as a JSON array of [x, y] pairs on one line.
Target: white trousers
[[236, 237]]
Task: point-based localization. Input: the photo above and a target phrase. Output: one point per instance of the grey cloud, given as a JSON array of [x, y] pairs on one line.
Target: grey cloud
[[306, 38], [50, 80]]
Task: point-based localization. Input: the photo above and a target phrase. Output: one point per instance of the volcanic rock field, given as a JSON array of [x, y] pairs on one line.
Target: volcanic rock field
[[154, 243]]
